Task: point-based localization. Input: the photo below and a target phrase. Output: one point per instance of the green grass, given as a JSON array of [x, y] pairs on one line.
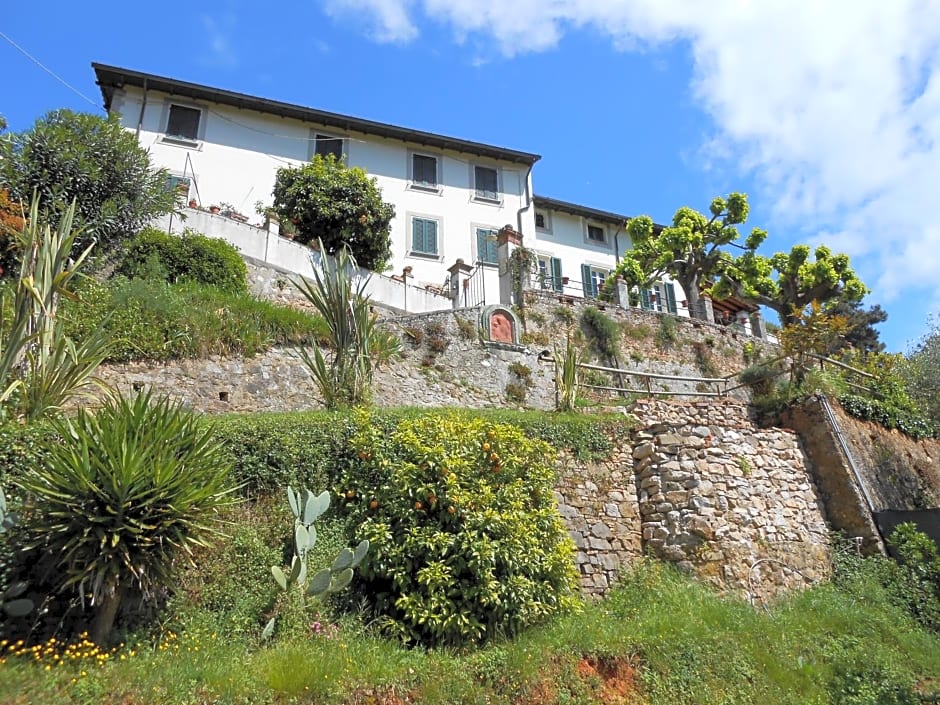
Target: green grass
[[152, 320], [844, 642]]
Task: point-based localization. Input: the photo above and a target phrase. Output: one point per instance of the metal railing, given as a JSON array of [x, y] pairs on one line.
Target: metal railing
[[647, 378], [474, 288]]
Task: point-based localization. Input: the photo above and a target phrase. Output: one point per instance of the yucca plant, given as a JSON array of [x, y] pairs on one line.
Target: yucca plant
[[358, 346], [130, 490], [38, 362], [566, 376]]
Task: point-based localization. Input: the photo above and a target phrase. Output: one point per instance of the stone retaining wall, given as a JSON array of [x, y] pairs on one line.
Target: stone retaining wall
[[727, 500], [699, 485]]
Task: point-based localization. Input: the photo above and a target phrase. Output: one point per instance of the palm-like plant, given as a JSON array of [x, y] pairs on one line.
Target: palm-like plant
[[358, 345], [134, 486], [37, 360]]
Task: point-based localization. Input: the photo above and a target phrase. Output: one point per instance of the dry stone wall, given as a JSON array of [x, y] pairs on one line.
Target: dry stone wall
[[725, 500], [599, 505], [701, 486]]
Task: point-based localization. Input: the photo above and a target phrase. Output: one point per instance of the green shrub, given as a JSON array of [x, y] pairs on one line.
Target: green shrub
[[668, 334], [137, 484], [920, 565], [466, 538], [190, 257], [603, 333], [888, 415], [270, 451]]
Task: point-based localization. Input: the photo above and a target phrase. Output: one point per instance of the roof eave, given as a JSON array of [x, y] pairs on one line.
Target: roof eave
[[110, 78]]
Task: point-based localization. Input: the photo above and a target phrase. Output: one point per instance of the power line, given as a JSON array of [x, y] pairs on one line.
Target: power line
[[48, 70]]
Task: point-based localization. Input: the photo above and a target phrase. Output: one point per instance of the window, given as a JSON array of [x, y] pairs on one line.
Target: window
[[424, 236], [424, 171], [543, 221], [550, 273], [183, 123], [592, 280], [595, 233], [325, 145], [661, 297], [486, 246], [486, 183]]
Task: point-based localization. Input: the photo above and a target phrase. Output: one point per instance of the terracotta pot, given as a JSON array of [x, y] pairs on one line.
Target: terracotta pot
[[214, 209], [192, 203]]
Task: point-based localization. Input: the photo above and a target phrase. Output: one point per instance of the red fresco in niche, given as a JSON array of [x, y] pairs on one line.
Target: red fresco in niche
[[501, 328]]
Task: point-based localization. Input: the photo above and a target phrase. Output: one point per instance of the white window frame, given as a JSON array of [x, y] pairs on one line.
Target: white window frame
[[546, 281], [474, 196], [604, 269], [312, 149], [547, 218], [476, 247], [588, 224], [424, 188], [177, 140], [411, 252]]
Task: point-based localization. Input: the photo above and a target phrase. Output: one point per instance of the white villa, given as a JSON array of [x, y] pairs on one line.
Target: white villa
[[451, 196]]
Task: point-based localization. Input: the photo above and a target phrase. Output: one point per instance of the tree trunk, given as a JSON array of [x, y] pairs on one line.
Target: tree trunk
[[690, 286], [105, 615]]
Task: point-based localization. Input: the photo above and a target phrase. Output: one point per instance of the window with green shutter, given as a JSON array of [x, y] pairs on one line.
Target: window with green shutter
[[486, 246], [669, 291], [556, 274], [424, 236]]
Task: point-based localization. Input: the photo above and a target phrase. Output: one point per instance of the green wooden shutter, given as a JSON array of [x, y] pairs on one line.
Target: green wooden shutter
[[670, 292], [555, 268], [487, 246], [645, 301], [430, 233], [424, 236], [586, 283]]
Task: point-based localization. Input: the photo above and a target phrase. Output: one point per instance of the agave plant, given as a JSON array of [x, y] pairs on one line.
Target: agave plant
[[358, 346], [38, 362], [132, 489]]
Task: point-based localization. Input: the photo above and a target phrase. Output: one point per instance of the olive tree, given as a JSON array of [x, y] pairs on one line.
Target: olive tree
[[340, 206]]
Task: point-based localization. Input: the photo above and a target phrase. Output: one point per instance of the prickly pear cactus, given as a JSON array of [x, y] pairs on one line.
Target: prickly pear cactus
[[307, 508]]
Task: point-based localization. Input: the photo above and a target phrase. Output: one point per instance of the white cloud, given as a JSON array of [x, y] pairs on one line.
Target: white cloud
[[833, 106], [385, 20]]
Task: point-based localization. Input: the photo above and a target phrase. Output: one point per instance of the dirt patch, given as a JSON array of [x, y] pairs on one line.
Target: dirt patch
[[618, 680]]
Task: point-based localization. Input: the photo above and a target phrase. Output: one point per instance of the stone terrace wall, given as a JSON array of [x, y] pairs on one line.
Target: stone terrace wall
[[699, 485], [730, 502], [599, 505]]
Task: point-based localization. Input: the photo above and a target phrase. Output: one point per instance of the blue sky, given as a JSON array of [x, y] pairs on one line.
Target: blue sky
[[826, 113]]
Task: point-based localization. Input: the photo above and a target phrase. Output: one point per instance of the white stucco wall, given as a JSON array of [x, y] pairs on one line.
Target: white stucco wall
[[294, 258], [240, 151], [565, 237]]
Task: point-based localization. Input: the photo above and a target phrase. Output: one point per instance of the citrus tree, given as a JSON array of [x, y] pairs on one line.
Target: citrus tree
[[338, 205], [466, 542]]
